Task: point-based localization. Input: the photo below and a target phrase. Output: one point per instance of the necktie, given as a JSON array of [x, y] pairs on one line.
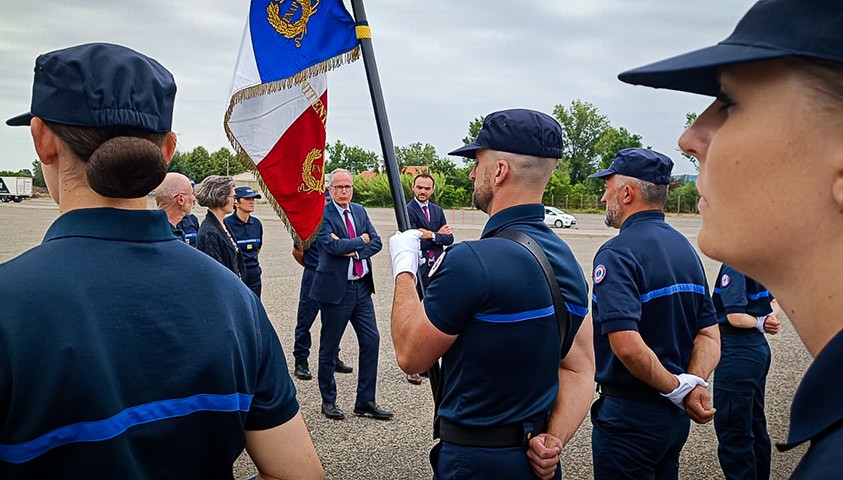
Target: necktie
[[426, 213], [358, 265]]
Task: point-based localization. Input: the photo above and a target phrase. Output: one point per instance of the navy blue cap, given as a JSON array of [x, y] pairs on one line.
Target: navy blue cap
[[526, 132], [642, 163], [770, 29], [101, 85], [245, 192]]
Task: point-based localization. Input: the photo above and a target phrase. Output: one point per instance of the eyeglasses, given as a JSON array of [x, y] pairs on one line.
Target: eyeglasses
[[182, 193], [342, 187]]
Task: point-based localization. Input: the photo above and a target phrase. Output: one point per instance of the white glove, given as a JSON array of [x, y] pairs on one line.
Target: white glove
[[687, 382], [405, 251], [760, 324]]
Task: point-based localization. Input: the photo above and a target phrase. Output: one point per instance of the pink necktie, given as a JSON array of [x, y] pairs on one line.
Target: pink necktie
[[426, 213], [358, 265]]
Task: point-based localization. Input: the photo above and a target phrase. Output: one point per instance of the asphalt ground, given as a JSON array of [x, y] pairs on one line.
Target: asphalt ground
[[359, 448]]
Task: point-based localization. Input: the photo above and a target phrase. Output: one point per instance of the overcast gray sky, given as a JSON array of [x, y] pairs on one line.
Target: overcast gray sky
[[442, 62]]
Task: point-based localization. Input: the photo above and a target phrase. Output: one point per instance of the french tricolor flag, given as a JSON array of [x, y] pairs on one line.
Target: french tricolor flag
[[279, 101]]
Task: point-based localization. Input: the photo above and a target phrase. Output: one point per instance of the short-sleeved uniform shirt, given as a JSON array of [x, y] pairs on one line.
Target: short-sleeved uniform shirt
[[104, 373], [311, 255], [249, 236], [734, 292], [189, 226], [816, 415], [649, 279], [503, 367]]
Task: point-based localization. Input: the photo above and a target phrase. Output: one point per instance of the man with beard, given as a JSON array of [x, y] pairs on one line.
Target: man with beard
[[489, 308], [655, 335]]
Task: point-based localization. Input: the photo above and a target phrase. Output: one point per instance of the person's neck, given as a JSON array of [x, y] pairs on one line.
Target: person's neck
[[219, 214], [632, 210], [78, 198], [344, 207], [174, 216], [504, 199], [243, 216]]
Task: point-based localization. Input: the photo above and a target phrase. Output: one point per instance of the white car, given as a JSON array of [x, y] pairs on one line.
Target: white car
[[557, 218]]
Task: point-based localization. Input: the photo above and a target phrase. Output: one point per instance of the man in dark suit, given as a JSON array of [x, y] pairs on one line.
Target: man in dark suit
[[436, 234], [343, 286]]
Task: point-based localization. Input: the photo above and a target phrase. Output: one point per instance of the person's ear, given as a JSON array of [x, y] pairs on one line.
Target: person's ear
[[169, 147], [46, 142], [502, 172]]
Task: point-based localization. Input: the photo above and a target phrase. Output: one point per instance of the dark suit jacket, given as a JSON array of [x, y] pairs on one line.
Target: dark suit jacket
[[437, 221], [332, 273], [212, 240]]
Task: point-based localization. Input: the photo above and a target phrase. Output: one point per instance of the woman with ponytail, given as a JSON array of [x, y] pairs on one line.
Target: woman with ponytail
[[102, 371]]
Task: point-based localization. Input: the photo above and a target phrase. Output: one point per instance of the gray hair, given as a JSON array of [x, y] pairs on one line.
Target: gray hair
[[651, 193], [214, 191], [341, 170]]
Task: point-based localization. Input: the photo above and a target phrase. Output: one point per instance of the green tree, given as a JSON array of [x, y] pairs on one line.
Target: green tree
[[474, 127], [38, 175], [690, 118], [582, 127], [352, 158], [612, 141], [23, 172], [416, 154]]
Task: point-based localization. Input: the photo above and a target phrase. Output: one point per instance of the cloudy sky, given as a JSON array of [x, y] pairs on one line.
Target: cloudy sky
[[442, 62]]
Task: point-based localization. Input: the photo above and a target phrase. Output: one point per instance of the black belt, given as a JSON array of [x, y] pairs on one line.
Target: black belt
[[642, 393], [729, 329], [496, 436], [355, 282]]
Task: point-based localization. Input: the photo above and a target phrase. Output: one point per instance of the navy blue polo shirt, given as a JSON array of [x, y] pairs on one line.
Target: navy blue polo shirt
[[189, 226], [816, 415], [249, 236], [649, 279], [311, 255], [734, 292], [503, 367], [104, 372]]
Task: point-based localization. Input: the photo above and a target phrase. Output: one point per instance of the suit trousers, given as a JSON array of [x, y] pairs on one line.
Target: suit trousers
[[356, 307], [308, 308], [636, 439]]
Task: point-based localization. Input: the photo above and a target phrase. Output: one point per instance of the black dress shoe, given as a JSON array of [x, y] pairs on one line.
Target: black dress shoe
[[341, 367], [372, 409], [303, 371], [332, 411]]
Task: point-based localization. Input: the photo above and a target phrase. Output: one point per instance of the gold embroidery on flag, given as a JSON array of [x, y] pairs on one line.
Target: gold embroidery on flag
[[293, 30], [312, 96], [311, 183]]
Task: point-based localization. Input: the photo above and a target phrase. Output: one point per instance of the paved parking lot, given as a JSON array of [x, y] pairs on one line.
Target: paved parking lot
[[368, 449]]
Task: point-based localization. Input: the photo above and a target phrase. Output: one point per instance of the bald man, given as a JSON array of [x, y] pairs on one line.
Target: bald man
[[175, 197]]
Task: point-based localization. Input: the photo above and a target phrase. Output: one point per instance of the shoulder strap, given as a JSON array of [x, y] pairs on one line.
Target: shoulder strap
[[562, 316]]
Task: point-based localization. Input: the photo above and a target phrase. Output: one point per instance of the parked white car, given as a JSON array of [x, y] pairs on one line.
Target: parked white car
[[557, 218]]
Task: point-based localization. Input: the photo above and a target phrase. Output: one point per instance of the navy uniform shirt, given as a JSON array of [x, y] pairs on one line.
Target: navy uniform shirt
[[311, 255], [249, 236], [503, 367], [734, 292], [105, 374], [189, 226], [649, 279], [816, 415]]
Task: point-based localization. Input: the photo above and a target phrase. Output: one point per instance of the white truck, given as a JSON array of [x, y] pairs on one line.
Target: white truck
[[15, 189]]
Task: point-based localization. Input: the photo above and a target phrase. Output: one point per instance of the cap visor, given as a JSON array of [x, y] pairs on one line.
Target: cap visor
[[696, 72], [20, 120], [468, 151], [602, 174]]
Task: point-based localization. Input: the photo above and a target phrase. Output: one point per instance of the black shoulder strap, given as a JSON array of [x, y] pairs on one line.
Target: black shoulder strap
[[562, 316]]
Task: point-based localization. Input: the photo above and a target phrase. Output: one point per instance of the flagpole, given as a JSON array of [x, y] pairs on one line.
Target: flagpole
[[399, 204], [385, 134]]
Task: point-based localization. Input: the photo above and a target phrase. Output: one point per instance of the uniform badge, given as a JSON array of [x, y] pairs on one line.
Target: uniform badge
[[436, 264], [599, 273], [249, 246], [725, 280]]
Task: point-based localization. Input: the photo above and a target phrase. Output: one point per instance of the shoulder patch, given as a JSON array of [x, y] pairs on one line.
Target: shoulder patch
[[436, 264], [599, 273], [725, 280]]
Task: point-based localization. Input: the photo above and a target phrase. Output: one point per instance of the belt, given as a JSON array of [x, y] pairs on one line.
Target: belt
[[495, 436], [729, 329], [642, 393], [355, 282]]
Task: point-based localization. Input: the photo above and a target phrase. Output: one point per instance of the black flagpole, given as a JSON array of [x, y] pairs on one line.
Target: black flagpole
[[393, 175]]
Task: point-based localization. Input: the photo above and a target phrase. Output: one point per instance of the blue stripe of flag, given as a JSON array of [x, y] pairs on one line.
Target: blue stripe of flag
[[111, 427]]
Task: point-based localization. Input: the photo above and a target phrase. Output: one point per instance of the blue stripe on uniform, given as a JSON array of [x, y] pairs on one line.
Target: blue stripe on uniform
[[678, 288], [111, 427], [576, 309], [756, 296], [251, 240], [514, 317]]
